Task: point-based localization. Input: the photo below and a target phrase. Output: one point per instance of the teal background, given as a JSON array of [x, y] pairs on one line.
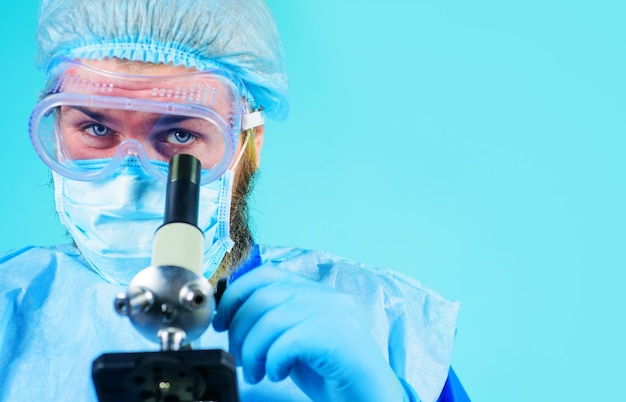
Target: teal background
[[476, 146]]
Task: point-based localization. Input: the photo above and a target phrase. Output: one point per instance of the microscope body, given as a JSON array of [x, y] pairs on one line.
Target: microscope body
[[170, 303]]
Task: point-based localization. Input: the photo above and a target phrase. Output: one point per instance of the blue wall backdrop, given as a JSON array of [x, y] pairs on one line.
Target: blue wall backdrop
[[476, 146]]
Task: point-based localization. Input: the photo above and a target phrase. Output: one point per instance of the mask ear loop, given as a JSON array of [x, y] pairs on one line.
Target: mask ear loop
[[241, 151], [224, 242]]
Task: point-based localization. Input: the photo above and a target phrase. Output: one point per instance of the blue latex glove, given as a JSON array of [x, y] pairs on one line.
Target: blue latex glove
[[282, 324]]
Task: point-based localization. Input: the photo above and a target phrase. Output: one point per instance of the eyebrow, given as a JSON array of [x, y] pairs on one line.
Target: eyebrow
[[163, 120], [167, 119], [91, 113]]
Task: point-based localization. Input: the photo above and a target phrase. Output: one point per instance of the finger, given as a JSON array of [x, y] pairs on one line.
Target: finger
[[250, 312], [328, 345], [237, 293], [263, 333], [303, 343]]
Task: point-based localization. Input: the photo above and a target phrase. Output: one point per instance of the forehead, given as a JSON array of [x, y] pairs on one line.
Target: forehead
[[133, 79], [138, 67]]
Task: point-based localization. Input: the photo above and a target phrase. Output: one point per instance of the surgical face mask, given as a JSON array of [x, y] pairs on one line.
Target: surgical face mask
[[113, 220], [89, 113]]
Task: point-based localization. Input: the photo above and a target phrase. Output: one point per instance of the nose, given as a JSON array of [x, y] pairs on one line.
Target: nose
[[130, 147], [133, 148]]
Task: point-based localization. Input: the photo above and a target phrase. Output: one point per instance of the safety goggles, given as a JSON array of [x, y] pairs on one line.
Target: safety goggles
[[88, 114]]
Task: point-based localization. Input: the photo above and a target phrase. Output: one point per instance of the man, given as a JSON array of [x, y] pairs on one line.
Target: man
[[132, 83]]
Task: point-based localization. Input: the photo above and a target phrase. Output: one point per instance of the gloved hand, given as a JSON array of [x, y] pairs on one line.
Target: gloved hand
[[283, 324]]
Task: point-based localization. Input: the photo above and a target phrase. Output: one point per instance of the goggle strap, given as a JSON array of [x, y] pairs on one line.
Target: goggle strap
[[251, 120]]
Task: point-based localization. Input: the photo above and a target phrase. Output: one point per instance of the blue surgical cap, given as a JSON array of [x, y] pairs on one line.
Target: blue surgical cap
[[239, 35]]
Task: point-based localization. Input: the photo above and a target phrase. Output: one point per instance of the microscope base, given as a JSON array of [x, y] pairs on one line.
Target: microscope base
[[171, 376]]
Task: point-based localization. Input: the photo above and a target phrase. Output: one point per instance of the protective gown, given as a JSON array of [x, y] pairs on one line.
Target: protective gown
[[57, 316]]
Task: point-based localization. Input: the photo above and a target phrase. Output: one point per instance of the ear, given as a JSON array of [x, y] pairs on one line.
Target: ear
[[258, 143]]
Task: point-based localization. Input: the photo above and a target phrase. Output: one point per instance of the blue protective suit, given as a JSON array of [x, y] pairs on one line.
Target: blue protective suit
[[56, 317]]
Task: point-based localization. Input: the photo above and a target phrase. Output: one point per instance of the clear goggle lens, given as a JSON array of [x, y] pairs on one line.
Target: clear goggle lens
[[91, 114]]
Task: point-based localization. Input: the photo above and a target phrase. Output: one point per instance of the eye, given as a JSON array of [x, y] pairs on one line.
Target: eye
[[98, 130], [178, 137]]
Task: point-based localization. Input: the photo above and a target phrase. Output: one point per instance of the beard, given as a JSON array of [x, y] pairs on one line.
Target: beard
[[240, 231]]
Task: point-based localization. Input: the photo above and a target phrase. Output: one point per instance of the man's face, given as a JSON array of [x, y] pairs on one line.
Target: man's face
[[96, 132]]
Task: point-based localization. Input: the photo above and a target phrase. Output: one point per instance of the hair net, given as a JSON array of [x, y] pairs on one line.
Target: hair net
[[239, 35]]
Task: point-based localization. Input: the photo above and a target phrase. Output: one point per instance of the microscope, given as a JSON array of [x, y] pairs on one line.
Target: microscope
[[171, 303]]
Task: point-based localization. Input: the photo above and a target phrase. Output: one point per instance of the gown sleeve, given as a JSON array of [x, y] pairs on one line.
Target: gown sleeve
[[453, 391]]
